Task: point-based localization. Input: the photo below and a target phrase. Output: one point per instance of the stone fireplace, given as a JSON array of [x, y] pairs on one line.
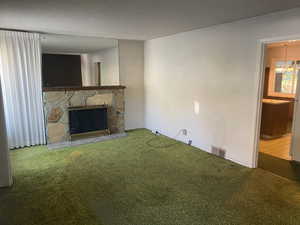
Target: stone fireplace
[[58, 101]]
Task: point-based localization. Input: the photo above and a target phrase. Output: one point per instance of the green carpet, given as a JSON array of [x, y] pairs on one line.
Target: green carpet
[[135, 180]]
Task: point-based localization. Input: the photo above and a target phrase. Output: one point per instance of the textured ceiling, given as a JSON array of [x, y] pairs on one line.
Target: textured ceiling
[[130, 19]]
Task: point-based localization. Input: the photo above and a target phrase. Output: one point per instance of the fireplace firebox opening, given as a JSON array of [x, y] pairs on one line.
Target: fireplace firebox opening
[[88, 120]]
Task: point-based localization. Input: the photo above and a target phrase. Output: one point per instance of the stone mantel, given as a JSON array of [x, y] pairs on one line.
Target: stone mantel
[[58, 100], [108, 87]]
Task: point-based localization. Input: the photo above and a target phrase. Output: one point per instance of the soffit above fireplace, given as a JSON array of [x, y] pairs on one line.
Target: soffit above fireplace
[[46, 89]]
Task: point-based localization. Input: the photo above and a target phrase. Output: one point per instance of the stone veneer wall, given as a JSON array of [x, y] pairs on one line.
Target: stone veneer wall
[[56, 105]]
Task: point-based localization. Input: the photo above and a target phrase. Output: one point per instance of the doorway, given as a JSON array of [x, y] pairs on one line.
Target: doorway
[[279, 103]]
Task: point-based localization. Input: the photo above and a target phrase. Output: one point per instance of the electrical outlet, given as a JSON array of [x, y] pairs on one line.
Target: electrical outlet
[[190, 142], [184, 132]]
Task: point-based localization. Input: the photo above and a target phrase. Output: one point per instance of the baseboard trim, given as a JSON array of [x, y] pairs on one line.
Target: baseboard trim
[[248, 165], [84, 141], [229, 158]]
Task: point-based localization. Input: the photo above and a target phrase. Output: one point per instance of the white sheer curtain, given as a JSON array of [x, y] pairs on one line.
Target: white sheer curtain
[[20, 73]]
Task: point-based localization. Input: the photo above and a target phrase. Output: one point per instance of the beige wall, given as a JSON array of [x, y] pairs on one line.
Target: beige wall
[[131, 61]]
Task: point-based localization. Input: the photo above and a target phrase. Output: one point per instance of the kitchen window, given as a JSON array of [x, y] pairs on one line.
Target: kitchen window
[[284, 77]]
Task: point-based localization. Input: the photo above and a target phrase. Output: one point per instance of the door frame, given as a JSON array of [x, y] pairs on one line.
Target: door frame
[[262, 44]]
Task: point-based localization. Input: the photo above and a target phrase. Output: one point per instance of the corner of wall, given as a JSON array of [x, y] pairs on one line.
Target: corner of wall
[[131, 64]]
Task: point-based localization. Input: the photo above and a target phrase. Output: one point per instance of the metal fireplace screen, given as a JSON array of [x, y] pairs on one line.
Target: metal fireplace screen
[[87, 120]]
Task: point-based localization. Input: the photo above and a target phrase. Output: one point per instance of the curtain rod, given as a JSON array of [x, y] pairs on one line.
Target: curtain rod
[[19, 30], [31, 31], [48, 33]]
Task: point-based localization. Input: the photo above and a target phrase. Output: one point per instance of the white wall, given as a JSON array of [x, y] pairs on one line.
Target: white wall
[[5, 173], [206, 80], [131, 55], [109, 59], [88, 77]]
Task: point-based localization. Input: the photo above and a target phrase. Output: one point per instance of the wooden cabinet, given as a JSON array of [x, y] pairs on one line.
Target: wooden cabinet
[[275, 118]]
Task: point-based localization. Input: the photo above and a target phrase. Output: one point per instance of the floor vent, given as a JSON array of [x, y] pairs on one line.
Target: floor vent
[[218, 151]]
